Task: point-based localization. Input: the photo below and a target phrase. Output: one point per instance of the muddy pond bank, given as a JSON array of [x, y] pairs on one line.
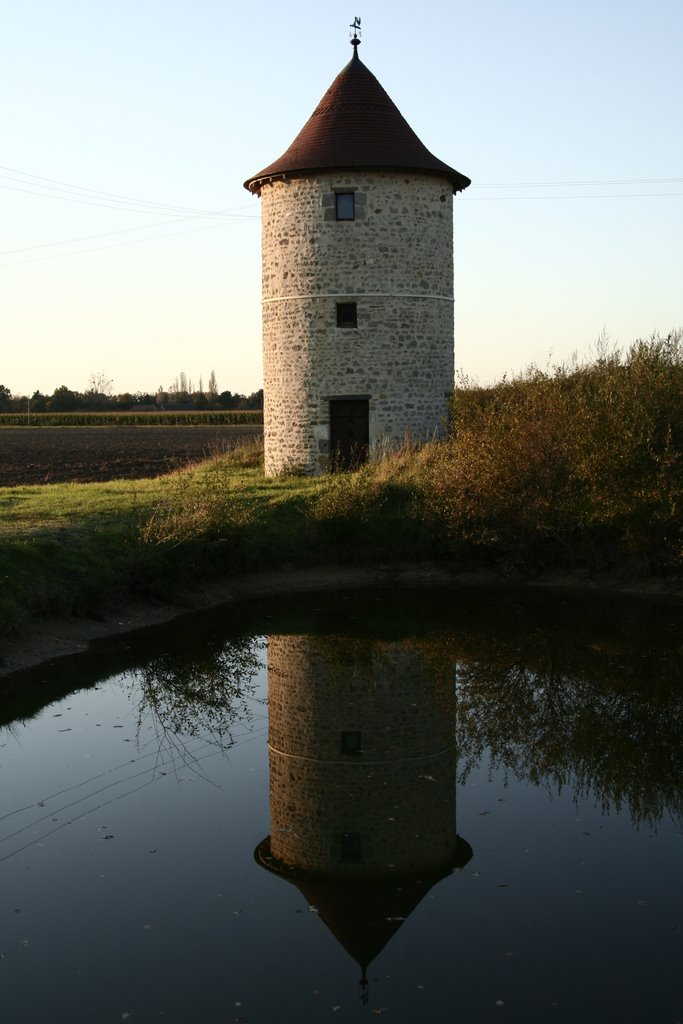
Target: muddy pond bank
[[47, 639]]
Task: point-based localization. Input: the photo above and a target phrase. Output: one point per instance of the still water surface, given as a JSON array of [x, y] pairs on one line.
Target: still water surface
[[450, 806]]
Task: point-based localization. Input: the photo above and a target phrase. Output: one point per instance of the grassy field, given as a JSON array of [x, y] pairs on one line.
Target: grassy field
[[580, 469], [81, 549]]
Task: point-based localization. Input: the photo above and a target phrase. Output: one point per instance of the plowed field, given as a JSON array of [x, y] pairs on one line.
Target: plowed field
[[49, 455]]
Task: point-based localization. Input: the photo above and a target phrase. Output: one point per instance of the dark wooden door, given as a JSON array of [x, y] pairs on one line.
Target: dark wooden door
[[349, 432]]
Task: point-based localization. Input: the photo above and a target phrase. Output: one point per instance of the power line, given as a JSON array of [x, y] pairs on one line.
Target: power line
[[104, 234], [114, 245], [89, 238], [80, 193], [84, 195], [592, 183], [115, 200], [112, 201], [613, 195], [597, 181], [120, 206]]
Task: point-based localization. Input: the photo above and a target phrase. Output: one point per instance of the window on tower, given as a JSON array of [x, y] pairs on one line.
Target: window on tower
[[345, 205], [351, 742], [347, 314], [350, 846]]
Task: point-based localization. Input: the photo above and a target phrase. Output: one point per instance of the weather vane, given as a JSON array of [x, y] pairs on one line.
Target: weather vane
[[355, 38]]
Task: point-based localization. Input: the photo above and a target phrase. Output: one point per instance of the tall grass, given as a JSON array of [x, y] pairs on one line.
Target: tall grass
[[581, 465], [208, 503]]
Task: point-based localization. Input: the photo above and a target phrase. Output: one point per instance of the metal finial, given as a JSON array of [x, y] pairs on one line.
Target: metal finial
[[363, 986], [355, 38]]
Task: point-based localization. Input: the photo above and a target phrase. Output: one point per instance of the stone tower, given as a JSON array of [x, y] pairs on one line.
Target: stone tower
[[361, 740], [357, 261]]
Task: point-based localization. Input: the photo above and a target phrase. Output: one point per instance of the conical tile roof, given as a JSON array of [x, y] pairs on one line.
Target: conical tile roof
[[364, 914], [357, 126]]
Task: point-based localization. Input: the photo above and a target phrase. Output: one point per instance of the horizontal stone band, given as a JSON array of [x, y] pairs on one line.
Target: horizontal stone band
[[360, 761], [356, 295]]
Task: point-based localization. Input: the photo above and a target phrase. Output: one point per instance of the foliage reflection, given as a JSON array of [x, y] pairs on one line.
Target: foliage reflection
[[203, 693], [596, 718], [598, 713]]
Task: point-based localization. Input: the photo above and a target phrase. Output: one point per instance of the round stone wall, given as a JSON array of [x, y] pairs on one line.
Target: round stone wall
[[394, 260], [362, 752]]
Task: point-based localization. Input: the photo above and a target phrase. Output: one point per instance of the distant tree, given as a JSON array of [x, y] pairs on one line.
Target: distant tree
[[38, 402], [5, 398], [230, 400], [201, 401], [212, 388], [63, 400], [19, 403], [99, 393], [99, 383], [122, 402], [143, 398], [96, 400], [180, 390], [255, 400], [227, 400]]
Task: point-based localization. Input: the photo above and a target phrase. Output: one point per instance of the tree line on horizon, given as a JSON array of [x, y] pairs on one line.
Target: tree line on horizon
[[99, 396]]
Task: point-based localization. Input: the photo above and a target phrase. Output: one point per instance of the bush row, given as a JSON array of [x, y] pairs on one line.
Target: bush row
[[131, 419], [583, 464]]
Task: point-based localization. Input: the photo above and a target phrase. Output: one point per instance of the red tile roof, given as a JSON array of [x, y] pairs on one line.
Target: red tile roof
[[356, 126]]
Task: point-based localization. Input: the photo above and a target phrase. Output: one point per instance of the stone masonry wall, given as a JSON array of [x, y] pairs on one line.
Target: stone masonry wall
[[397, 795], [395, 261]]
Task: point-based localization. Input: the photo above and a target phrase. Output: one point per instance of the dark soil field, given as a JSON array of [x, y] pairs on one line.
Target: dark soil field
[[50, 455]]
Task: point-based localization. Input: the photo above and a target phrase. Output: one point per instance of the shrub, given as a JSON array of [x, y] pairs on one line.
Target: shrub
[[581, 464], [350, 498]]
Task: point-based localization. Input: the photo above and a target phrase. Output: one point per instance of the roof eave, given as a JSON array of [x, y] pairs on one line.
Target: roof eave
[[459, 181]]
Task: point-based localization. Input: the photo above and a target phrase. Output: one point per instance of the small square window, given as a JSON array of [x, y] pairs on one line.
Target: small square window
[[347, 314], [350, 846], [345, 205], [351, 743]]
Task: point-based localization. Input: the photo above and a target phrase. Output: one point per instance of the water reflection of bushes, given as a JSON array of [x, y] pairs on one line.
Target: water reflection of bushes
[[599, 713], [201, 694], [600, 717], [597, 719]]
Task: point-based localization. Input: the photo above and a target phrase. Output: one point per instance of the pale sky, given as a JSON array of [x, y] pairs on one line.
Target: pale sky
[[128, 244]]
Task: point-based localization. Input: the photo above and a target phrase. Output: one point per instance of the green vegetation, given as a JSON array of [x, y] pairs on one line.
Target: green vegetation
[[187, 418], [580, 468], [181, 396], [583, 466]]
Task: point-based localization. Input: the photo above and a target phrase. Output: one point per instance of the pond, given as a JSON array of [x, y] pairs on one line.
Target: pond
[[451, 805]]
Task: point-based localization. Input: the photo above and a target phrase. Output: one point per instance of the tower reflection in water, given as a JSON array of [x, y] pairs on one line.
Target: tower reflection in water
[[362, 782]]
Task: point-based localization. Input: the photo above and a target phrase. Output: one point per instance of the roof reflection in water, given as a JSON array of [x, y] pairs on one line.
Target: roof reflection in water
[[362, 782]]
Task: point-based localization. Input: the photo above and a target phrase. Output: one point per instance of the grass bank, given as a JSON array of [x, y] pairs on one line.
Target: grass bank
[[580, 468], [84, 549]]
